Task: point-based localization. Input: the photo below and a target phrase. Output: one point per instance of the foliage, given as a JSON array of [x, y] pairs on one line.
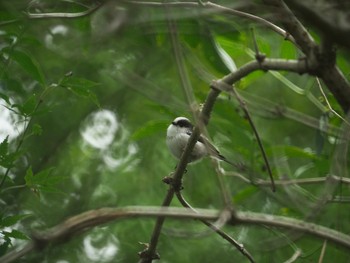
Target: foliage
[[85, 103]]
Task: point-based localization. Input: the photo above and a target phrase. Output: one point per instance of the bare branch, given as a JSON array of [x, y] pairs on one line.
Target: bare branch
[[250, 120], [248, 218], [320, 64], [84, 221], [320, 260], [214, 227], [64, 15], [215, 8], [315, 180], [294, 257], [329, 17], [328, 104]]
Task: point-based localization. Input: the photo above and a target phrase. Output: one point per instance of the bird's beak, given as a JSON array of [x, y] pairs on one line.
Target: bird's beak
[[173, 123]]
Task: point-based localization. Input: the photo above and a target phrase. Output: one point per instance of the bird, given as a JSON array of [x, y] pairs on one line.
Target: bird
[[178, 134]]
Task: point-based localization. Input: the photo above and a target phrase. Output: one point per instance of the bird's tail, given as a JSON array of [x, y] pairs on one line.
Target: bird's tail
[[223, 158]]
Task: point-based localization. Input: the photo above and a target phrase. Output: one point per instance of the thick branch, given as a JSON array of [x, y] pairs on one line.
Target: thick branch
[[329, 17], [297, 66], [320, 63], [82, 222], [293, 26], [293, 224]]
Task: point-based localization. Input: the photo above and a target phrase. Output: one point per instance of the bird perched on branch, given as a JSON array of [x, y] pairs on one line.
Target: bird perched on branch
[[178, 134]]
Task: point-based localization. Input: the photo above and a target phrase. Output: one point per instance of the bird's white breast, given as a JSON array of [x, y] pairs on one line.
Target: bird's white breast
[[177, 139]]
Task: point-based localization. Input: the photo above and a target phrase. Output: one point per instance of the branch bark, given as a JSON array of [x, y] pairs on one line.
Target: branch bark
[[321, 62], [82, 222]]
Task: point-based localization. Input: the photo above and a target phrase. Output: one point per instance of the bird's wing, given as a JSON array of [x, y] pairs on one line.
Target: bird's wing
[[210, 147], [213, 150]]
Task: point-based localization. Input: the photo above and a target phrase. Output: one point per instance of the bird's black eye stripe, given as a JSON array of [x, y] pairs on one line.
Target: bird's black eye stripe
[[184, 123]]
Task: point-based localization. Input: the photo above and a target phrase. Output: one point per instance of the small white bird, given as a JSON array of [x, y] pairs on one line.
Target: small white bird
[[178, 134]]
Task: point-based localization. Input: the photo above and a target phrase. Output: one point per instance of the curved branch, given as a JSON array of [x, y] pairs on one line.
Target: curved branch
[[213, 7], [250, 218], [322, 64], [84, 221], [64, 15], [214, 227]]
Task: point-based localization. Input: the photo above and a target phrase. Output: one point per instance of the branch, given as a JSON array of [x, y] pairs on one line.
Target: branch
[[84, 221], [250, 218], [214, 227], [64, 15], [322, 64], [175, 182], [252, 125], [315, 180], [329, 17], [30, 15], [298, 66], [215, 8]]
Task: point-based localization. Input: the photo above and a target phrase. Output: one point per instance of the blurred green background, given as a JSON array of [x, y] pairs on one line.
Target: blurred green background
[[95, 95]]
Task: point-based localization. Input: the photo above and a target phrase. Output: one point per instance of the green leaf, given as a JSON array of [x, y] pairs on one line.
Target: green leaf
[[29, 177], [28, 63], [78, 84], [6, 242], [37, 129], [11, 220], [16, 234], [225, 57], [245, 194], [28, 107], [80, 87], [4, 147], [5, 98], [42, 181], [6, 158]]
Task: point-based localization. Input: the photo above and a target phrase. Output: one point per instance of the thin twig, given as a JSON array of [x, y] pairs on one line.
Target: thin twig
[[247, 115], [331, 75], [219, 8], [257, 136], [323, 251], [328, 104], [258, 56], [216, 228], [21, 140], [64, 15], [294, 257], [223, 186], [315, 180]]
